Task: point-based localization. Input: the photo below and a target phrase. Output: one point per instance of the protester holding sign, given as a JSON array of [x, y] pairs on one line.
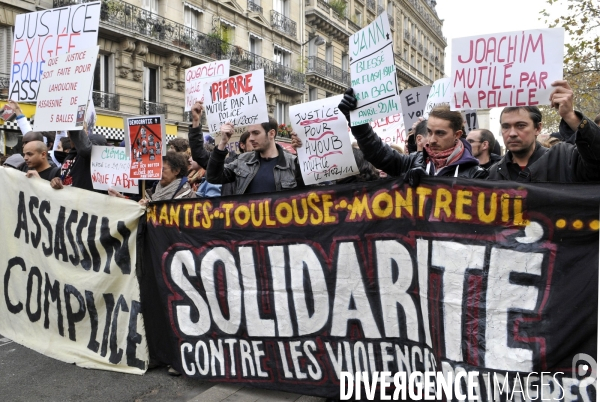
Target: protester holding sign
[[76, 170], [445, 154], [267, 169], [528, 161]]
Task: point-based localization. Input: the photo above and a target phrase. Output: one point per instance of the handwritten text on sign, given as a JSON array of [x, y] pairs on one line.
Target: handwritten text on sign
[[373, 72], [413, 103], [46, 34], [326, 152], [390, 129], [440, 94], [196, 76], [240, 100], [506, 69], [110, 167], [65, 90]]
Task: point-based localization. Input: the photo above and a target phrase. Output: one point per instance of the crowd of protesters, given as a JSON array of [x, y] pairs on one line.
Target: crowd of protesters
[[199, 167]]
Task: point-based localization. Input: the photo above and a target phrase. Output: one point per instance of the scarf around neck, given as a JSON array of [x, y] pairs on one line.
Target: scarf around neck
[[167, 192], [445, 158]]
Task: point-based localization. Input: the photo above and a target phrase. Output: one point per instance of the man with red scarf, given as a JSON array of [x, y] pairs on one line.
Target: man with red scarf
[[445, 153]]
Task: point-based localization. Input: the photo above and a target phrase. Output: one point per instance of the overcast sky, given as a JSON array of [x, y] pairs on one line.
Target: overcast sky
[[474, 17]]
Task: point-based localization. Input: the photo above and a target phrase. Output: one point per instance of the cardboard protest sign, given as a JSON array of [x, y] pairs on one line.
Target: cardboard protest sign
[[391, 129], [197, 76], [43, 35], [70, 289], [111, 167], [373, 72], [64, 91], [326, 152], [506, 69], [470, 119], [413, 103], [440, 94], [240, 100], [145, 138]]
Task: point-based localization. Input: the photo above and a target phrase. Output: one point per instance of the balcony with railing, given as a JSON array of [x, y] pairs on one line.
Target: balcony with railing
[[283, 23], [331, 21], [254, 8], [149, 108], [391, 20], [126, 18], [327, 70], [106, 100], [371, 5], [4, 84]]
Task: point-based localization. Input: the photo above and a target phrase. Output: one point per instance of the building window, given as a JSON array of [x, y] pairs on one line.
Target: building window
[[312, 94], [282, 57], [151, 86], [329, 54], [390, 9], [406, 54], [190, 17], [281, 112], [150, 5], [282, 7], [358, 18], [255, 45], [312, 48], [419, 65], [328, 94], [345, 62], [104, 73], [6, 41], [412, 60]]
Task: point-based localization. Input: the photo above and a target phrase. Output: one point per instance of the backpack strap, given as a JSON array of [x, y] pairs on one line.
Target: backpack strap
[[181, 184]]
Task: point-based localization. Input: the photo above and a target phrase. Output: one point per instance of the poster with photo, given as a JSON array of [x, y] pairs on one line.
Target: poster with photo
[[145, 142]]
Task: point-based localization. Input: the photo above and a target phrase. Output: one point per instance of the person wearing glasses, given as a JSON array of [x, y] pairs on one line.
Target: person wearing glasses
[[526, 160], [482, 144]]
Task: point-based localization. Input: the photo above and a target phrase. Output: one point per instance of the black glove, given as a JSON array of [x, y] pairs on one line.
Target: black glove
[[347, 103], [413, 176]]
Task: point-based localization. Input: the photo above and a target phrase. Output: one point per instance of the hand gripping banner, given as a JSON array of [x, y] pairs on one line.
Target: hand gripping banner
[[492, 282], [67, 262]]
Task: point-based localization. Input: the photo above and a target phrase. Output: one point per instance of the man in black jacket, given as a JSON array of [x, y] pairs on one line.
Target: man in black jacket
[[527, 160], [482, 144], [445, 152]]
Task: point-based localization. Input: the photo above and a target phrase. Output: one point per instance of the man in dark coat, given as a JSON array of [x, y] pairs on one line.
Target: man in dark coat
[[445, 152], [526, 160]]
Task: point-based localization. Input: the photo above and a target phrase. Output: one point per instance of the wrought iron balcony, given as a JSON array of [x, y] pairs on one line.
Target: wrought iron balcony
[[379, 10], [371, 4], [283, 23], [147, 107], [124, 17], [253, 7], [106, 100], [391, 19], [406, 35], [320, 66]]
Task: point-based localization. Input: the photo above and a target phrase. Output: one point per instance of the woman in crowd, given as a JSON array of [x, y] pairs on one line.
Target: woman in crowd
[[174, 182]]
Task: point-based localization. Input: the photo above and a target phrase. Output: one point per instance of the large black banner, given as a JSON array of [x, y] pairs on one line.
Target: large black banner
[[489, 281]]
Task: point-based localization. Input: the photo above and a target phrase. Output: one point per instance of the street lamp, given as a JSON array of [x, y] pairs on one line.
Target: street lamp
[[318, 40]]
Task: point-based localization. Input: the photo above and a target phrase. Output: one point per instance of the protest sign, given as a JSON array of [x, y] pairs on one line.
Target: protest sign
[[373, 72], [145, 138], [70, 289], [495, 280], [43, 35], [413, 103], [440, 94], [110, 168], [506, 69], [240, 100], [326, 153], [64, 91], [197, 76], [391, 129], [470, 118]]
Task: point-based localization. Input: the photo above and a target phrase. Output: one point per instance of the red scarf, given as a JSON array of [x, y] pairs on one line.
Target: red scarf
[[445, 158]]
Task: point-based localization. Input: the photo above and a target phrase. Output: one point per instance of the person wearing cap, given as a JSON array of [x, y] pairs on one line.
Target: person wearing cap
[[76, 169], [14, 161]]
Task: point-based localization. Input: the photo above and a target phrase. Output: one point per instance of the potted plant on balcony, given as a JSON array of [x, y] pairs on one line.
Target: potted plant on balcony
[[284, 131], [339, 6], [110, 7]]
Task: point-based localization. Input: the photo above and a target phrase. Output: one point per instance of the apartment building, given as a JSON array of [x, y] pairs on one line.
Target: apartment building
[[146, 45]]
